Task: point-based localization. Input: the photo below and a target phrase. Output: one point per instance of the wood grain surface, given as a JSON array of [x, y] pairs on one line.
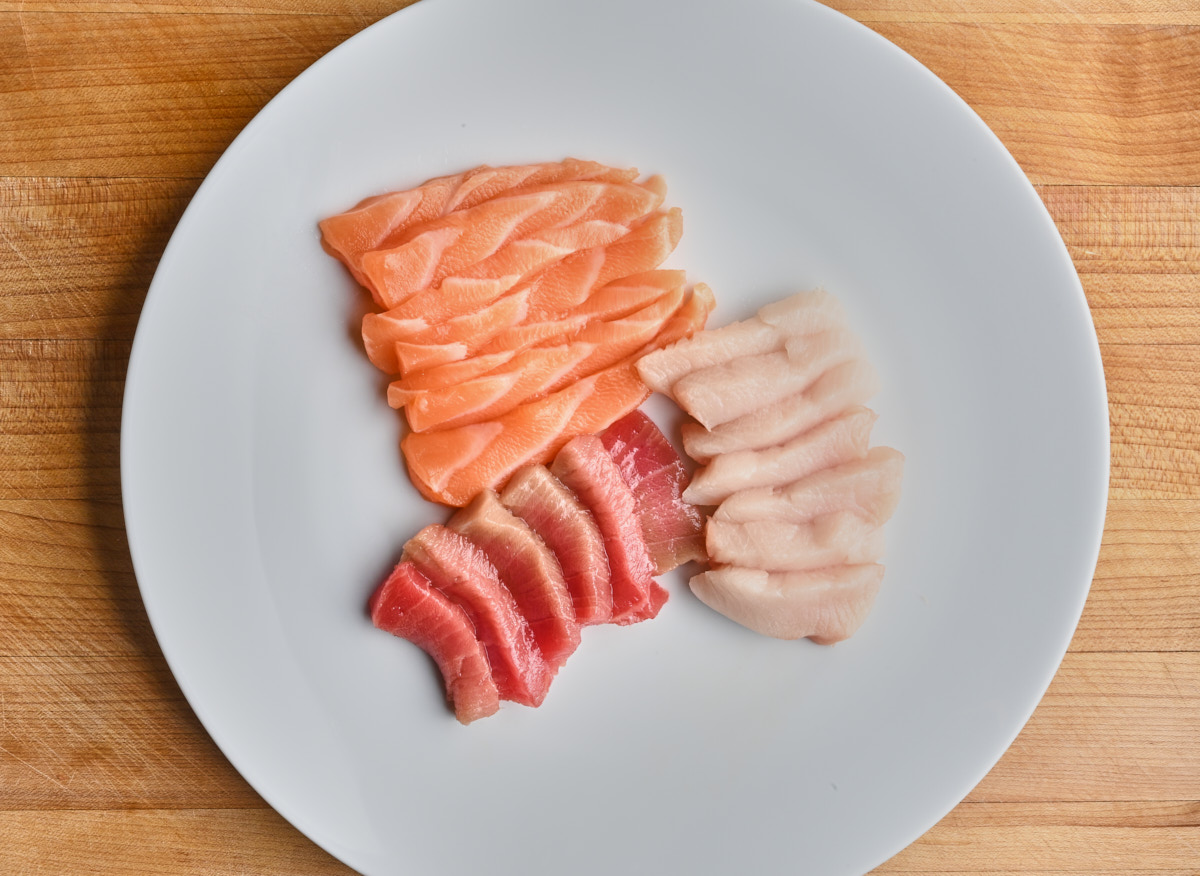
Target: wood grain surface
[[111, 113]]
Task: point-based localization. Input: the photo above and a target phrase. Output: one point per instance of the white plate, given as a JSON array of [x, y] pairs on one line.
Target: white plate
[[265, 496]]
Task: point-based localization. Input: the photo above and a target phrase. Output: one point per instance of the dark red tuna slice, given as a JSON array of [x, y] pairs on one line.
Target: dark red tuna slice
[[570, 532], [585, 467], [406, 605], [673, 528], [461, 571], [528, 569]]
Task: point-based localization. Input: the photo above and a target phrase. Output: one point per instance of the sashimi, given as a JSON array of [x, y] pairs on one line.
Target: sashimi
[[724, 392], [750, 337], [868, 487], [450, 374], [528, 375], [851, 383], [629, 294], [451, 466], [455, 296], [463, 574], [805, 313], [585, 467], [528, 569], [407, 605], [777, 545], [831, 443], [673, 529], [825, 605], [570, 531]]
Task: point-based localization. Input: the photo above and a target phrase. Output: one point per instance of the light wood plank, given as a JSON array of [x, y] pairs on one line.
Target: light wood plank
[[978, 12]]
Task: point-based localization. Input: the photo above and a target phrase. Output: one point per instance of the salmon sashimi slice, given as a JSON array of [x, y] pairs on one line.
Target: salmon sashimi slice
[[585, 467], [408, 606], [461, 571], [724, 392], [838, 440], [455, 296], [452, 466], [528, 375], [450, 244], [615, 391], [447, 375], [403, 345], [378, 222], [534, 334], [570, 532], [630, 294], [750, 337], [851, 383], [528, 569], [564, 286], [655, 472], [780, 546], [868, 487], [826, 605]]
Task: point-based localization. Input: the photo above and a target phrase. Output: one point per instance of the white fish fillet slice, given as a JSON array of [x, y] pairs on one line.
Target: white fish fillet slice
[[724, 392], [662, 368], [826, 605], [780, 546], [868, 487], [838, 440], [851, 383], [804, 313]]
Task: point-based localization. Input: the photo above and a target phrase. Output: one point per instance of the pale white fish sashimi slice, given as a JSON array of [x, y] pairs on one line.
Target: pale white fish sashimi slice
[[780, 546], [868, 487], [826, 605], [838, 440], [804, 313], [724, 392], [851, 383], [750, 337]]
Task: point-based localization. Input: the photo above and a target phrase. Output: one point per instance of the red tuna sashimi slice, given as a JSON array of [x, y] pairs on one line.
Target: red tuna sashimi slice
[[451, 466], [570, 531], [673, 528], [584, 466], [463, 574], [868, 487], [407, 605], [837, 440], [564, 286], [402, 345], [380, 221], [825, 605], [724, 392], [851, 383], [781, 546], [528, 569], [527, 375]]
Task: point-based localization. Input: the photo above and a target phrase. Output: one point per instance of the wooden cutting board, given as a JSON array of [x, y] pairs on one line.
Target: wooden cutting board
[[111, 114]]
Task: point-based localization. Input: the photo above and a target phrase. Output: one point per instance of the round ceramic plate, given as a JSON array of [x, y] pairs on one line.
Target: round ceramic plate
[[265, 495]]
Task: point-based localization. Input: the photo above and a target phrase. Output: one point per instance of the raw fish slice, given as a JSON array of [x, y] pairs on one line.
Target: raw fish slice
[[838, 440], [804, 313], [724, 392], [777, 546], [530, 374], [750, 337], [616, 391], [379, 221], [570, 531], [688, 320], [403, 345], [406, 605], [451, 244], [534, 334], [584, 467], [564, 286], [456, 296], [673, 529], [450, 374], [451, 466], [528, 569], [463, 574], [630, 294], [868, 487], [615, 340], [851, 383], [826, 605]]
